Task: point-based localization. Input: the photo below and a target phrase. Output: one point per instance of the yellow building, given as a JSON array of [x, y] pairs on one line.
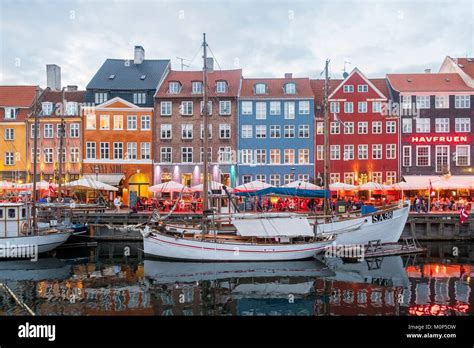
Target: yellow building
[[15, 105]]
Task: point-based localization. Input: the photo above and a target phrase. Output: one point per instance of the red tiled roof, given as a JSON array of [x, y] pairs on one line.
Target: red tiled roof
[[19, 96], [317, 87], [275, 88], [428, 82], [466, 65], [187, 77], [70, 96]]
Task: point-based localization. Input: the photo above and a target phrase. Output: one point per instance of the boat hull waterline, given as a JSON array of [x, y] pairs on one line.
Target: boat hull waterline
[[44, 243]]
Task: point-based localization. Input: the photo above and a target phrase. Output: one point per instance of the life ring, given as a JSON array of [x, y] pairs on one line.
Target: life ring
[[24, 228]]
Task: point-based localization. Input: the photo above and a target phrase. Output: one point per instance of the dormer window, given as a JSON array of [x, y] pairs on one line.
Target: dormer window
[[290, 88], [260, 88], [10, 113], [221, 87], [71, 109], [197, 87], [174, 87], [47, 108]]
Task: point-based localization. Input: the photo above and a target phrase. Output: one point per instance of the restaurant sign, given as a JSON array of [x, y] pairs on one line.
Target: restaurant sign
[[435, 139]]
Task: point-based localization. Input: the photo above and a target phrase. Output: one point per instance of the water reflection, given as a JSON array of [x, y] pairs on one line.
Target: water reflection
[[102, 281]]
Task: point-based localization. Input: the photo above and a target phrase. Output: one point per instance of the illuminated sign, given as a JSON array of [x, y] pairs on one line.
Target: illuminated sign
[[440, 139]]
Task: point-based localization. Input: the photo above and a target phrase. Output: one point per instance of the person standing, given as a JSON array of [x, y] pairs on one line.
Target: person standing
[[117, 204]]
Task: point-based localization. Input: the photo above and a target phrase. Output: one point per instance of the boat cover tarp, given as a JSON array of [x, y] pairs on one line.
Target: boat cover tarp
[[286, 191], [270, 227]]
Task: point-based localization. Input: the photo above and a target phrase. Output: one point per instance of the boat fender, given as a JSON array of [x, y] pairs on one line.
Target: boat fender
[[24, 228]]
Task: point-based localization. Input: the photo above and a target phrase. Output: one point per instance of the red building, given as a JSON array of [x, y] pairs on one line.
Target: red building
[[363, 142]]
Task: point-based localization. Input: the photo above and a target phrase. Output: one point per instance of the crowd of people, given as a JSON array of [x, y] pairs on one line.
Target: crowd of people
[[421, 204]]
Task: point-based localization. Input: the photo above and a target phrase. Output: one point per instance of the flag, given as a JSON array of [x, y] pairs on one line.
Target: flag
[[463, 215], [431, 188], [51, 188]]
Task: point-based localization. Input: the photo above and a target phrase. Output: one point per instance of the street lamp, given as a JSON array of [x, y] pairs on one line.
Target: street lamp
[[96, 171]]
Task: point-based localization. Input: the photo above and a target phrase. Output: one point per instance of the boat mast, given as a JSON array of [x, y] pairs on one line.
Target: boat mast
[[61, 143], [205, 203], [327, 206], [35, 156]]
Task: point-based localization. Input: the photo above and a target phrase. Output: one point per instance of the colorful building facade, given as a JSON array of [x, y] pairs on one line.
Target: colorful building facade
[[276, 127]]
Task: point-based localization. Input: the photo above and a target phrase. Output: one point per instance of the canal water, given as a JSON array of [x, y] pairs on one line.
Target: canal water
[[115, 279]]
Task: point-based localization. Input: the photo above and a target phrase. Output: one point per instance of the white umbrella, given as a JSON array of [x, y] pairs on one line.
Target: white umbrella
[[169, 186], [447, 185], [371, 186], [213, 185], [252, 186], [339, 186], [5, 185], [90, 184], [303, 185], [40, 185], [405, 186]]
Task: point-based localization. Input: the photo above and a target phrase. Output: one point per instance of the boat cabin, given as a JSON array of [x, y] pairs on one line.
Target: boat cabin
[[14, 219]]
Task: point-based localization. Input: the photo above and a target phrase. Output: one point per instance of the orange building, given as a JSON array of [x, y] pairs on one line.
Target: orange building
[[117, 147]]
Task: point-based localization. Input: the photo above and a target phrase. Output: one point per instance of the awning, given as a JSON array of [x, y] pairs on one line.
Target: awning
[[110, 179], [285, 191], [442, 182]]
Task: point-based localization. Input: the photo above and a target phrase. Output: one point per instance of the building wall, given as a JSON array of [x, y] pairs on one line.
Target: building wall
[[17, 171], [124, 94]]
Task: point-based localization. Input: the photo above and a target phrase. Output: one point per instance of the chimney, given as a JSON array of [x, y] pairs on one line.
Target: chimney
[[139, 56], [210, 64], [288, 75], [427, 71], [71, 87], [53, 77]]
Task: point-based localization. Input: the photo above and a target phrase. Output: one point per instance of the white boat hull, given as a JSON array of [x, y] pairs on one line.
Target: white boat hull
[[44, 243], [165, 246]]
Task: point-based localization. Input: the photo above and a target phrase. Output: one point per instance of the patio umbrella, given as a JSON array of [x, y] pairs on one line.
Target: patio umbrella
[[213, 185], [167, 187], [303, 185], [447, 185], [40, 185], [5, 185], [372, 186], [252, 186], [90, 184], [405, 186], [339, 186]]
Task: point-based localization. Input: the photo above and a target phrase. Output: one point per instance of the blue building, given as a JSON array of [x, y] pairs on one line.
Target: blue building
[[276, 130]]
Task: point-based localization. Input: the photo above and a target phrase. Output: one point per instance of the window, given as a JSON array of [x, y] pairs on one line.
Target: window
[[186, 131], [463, 155], [423, 156], [335, 128], [362, 88], [74, 155], [104, 122], [442, 101], [334, 178], [289, 131], [422, 125], [406, 156], [289, 178], [377, 177], [187, 154], [131, 151], [442, 125], [442, 159], [363, 152], [48, 131], [91, 121], [74, 130], [90, 150], [10, 113], [362, 107], [391, 151], [131, 122], [247, 108], [224, 131], [100, 97], [348, 88], [391, 178], [275, 131], [406, 102], [63, 159], [60, 130], [224, 107], [289, 110], [201, 155], [9, 134], [260, 156], [260, 131], [71, 108], [261, 177], [290, 88], [348, 127], [303, 156], [145, 152], [186, 108], [166, 154], [303, 131], [377, 127], [261, 110], [260, 88], [225, 154], [247, 131], [320, 152], [349, 178], [376, 106], [363, 127], [275, 156], [165, 131], [38, 155], [145, 122], [348, 107], [139, 98], [166, 108], [275, 180], [209, 131], [246, 156], [275, 108], [304, 107], [390, 127], [289, 156], [196, 87], [48, 155], [462, 125], [303, 177], [246, 179], [118, 151], [376, 151], [407, 125], [335, 152], [334, 107], [209, 107], [348, 152], [423, 101], [319, 127], [104, 151], [9, 159], [462, 101], [221, 86], [47, 108], [174, 87], [32, 131]]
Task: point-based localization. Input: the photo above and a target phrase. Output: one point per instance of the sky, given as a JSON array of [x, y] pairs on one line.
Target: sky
[[265, 38]]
